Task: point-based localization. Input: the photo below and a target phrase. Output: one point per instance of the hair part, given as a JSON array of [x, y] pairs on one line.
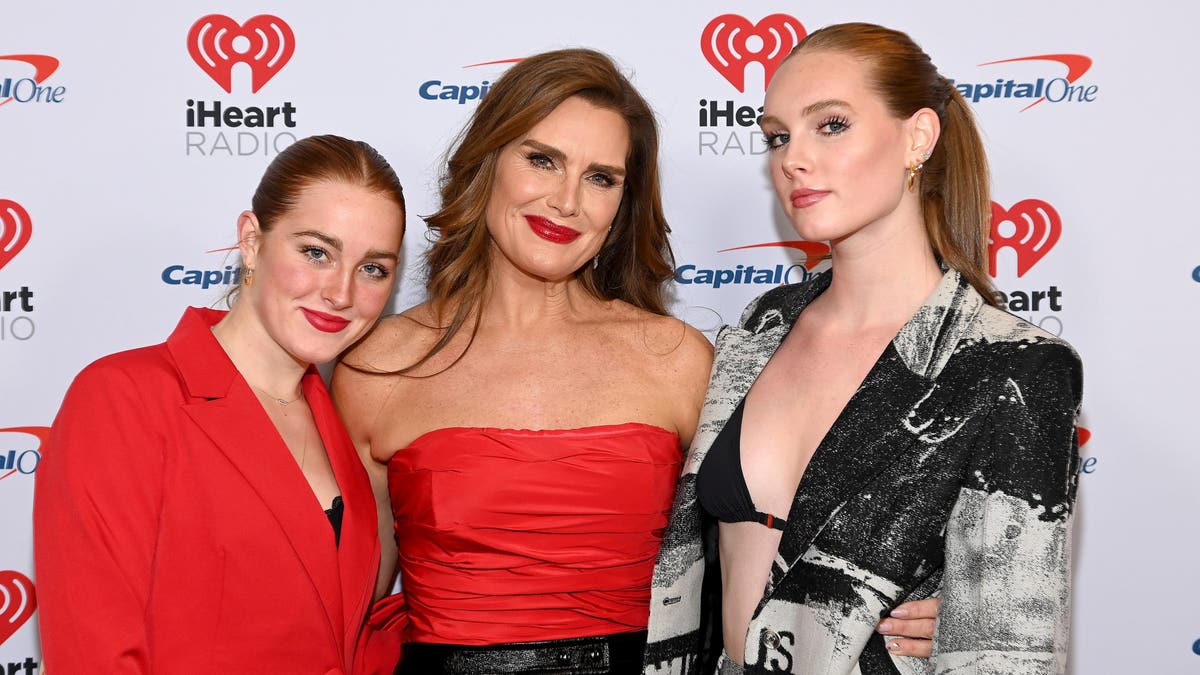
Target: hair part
[[635, 261], [954, 183]]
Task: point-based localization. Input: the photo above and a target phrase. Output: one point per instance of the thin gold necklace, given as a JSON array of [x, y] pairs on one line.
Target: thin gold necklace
[[281, 401]]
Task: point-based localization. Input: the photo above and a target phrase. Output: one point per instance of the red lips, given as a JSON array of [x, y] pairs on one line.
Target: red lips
[[550, 231], [805, 197], [326, 323]]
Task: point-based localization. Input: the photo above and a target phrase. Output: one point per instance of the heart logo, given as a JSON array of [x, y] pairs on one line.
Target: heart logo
[[267, 46], [15, 230], [1085, 435], [726, 43], [17, 603], [1037, 229]]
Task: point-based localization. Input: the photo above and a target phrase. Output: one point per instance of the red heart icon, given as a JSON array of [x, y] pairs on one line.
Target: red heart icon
[[269, 46], [725, 43], [15, 230], [17, 603], [1038, 228], [1085, 435]]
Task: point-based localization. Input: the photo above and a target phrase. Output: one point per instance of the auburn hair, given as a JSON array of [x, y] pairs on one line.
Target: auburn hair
[[954, 184]]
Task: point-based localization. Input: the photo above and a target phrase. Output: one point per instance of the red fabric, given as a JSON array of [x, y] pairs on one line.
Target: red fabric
[[380, 647], [175, 533], [514, 536]]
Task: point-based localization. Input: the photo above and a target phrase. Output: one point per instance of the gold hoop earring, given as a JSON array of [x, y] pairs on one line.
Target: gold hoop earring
[[914, 170]]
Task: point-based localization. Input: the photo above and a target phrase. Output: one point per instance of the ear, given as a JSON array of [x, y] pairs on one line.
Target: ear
[[923, 130], [249, 234]]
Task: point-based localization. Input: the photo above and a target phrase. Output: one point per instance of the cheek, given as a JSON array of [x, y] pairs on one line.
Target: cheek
[[370, 299]]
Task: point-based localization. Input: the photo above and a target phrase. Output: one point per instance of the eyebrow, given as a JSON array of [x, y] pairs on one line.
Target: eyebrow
[[558, 155], [808, 110], [336, 244]]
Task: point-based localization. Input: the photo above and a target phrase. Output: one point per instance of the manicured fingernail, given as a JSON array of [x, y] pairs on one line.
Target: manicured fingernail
[[886, 627], [893, 645], [899, 613]]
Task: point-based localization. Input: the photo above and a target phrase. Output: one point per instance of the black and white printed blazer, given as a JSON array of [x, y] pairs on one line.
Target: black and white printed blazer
[[951, 471]]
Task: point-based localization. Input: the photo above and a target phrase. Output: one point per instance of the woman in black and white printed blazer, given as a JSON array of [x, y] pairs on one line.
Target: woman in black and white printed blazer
[[883, 432]]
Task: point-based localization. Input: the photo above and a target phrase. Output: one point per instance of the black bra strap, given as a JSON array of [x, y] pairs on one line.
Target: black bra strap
[[770, 520]]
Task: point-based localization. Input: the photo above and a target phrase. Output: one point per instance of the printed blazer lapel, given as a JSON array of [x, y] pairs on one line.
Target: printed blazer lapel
[[233, 419], [893, 417]]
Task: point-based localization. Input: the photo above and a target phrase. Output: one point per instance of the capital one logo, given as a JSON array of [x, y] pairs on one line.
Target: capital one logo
[[1031, 227], [730, 43], [15, 230], [17, 602], [265, 43], [27, 89]]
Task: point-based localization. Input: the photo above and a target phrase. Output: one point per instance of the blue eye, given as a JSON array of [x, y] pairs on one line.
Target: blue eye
[[833, 126], [776, 140], [315, 253], [603, 180], [376, 271]]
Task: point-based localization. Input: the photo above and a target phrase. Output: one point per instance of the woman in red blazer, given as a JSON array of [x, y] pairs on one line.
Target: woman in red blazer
[[200, 508]]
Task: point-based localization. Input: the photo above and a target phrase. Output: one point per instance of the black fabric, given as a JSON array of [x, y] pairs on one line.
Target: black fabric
[[334, 512], [720, 484], [617, 654]]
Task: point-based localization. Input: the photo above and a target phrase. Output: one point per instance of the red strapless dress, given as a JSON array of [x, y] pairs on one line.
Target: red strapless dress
[[518, 536]]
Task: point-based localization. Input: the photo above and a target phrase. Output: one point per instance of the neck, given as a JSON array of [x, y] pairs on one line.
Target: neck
[[515, 299], [882, 273], [262, 362]]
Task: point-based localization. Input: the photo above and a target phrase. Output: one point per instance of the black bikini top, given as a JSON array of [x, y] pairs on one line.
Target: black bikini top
[[720, 483]]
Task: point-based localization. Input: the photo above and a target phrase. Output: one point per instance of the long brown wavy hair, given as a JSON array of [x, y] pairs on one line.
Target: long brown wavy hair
[[635, 261], [955, 197]]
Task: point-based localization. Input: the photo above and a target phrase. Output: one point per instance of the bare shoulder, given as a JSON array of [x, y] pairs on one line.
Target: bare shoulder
[[682, 350], [396, 342]]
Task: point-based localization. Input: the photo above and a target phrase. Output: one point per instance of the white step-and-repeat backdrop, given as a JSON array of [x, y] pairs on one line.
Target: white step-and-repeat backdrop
[[128, 146]]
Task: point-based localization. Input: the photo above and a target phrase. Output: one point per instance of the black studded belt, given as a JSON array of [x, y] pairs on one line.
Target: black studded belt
[[617, 654]]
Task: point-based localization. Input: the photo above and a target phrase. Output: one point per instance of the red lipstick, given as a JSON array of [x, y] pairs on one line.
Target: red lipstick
[[326, 323], [550, 231], [804, 197]]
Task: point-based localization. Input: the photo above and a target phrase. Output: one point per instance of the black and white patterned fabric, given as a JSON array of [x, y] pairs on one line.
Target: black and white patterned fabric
[[952, 471]]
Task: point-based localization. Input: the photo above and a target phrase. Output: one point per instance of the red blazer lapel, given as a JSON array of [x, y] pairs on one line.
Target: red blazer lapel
[[358, 552], [233, 419]]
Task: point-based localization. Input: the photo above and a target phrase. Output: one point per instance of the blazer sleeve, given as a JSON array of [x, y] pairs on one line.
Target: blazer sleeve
[[96, 508], [1006, 590]]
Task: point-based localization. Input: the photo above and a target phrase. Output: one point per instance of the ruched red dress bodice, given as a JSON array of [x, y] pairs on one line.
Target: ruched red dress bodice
[[518, 536]]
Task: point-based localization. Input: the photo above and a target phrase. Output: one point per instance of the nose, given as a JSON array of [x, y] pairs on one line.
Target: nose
[[565, 197], [339, 289], [795, 159]]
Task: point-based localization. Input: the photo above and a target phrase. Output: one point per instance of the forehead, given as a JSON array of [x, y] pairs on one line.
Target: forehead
[[820, 75], [584, 132]]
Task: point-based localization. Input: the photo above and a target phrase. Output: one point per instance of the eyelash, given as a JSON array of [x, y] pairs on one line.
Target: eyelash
[[838, 120], [373, 270], [542, 161]]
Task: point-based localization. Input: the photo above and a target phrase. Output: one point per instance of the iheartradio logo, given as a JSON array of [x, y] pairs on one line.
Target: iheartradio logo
[[265, 43], [15, 230], [1031, 227], [730, 43], [17, 603]]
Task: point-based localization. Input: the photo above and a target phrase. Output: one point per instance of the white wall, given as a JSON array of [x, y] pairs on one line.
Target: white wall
[[117, 189]]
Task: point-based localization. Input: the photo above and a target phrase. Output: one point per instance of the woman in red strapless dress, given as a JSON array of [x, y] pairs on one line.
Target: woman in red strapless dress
[[530, 417]]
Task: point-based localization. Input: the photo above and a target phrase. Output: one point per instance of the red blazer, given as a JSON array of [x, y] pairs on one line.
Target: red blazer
[[175, 534]]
